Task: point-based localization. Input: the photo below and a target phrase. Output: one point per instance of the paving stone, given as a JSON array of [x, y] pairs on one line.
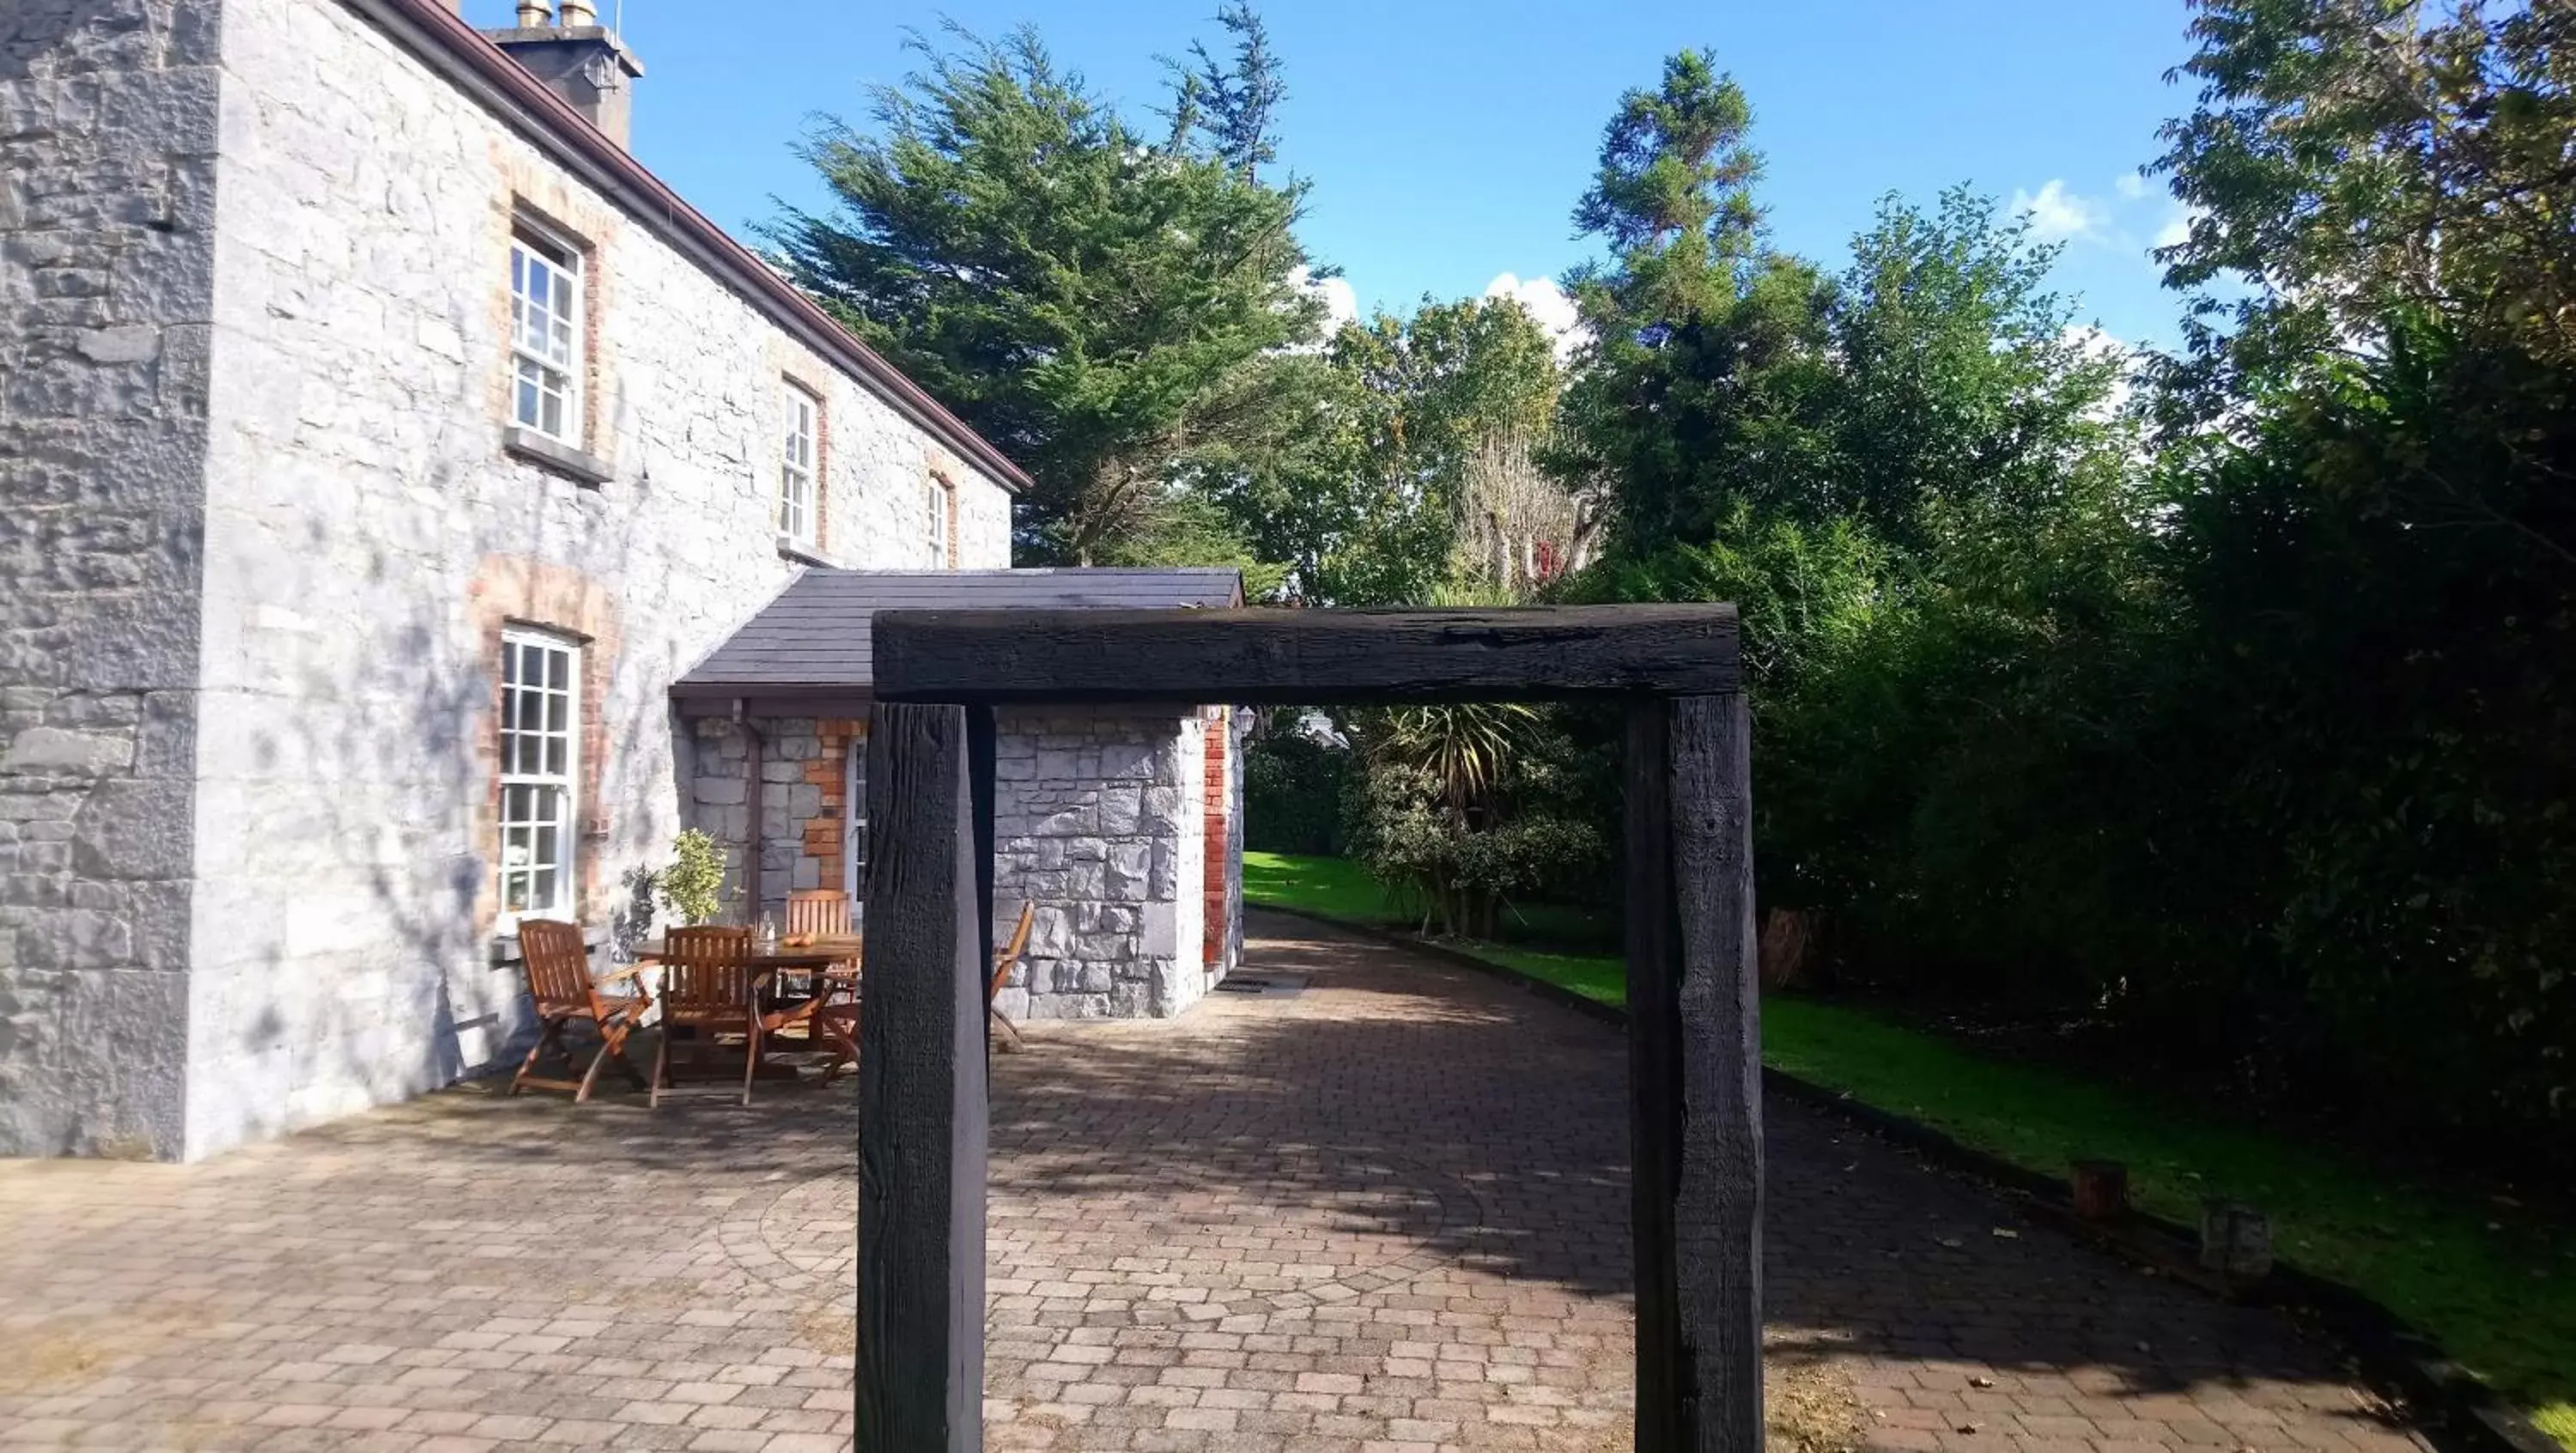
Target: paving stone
[[1387, 1213]]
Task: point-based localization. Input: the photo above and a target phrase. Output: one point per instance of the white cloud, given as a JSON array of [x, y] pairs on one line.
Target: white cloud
[[1341, 305], [1341, 302], [2177, 228], [2058, 215], [2130, 186], [2095, 342], [1551, 307]]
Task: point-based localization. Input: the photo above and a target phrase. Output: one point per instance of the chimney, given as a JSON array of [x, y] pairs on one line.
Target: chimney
[[579, 59]]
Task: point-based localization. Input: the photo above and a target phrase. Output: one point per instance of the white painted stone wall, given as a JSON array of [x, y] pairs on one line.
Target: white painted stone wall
[[107, 221], [346, 448], [1098, 820]]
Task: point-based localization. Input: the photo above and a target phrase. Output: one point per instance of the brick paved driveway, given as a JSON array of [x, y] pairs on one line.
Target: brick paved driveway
[[1386, 1213]]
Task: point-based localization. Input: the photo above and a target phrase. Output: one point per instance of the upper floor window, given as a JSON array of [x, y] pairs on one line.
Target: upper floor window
[[540, 772], [796, 467], [545, 335], [936, 498]]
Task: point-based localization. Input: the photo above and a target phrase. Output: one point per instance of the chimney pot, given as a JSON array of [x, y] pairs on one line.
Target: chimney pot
[[535, 14], [579, 12]]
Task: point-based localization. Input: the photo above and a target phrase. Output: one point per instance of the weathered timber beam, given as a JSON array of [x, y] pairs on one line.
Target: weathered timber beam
[[1294, 657], [1694, 1068], [922, 1113]]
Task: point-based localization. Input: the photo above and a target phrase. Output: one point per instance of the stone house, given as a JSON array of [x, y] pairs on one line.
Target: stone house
[[1123, 828], [380, 444]]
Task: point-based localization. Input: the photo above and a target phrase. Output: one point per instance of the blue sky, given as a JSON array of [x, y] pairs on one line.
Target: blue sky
[[1447, 142]]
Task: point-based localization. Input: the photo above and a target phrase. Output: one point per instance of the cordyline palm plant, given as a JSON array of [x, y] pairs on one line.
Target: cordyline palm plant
[[1451, 811], [1466, 749], [1436, 783]]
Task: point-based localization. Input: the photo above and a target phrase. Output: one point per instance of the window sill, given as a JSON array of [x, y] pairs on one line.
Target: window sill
[[555, 455], [791, 548]]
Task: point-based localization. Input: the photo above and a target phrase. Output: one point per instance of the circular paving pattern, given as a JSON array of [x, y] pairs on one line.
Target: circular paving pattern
[[802, 1237]]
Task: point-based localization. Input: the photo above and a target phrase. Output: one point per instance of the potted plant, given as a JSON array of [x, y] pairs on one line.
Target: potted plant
[[692, 887]]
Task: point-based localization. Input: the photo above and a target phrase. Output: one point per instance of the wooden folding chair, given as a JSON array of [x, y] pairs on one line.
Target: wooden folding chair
[[834, 1020], [559, 980], [706, 989], [1003, 963], [823, 912]]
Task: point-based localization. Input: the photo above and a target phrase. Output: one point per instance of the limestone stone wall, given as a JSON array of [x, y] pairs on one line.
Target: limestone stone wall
[[256, 380], [1236, 726], [1098, 820], [803, 774], [107, 240]]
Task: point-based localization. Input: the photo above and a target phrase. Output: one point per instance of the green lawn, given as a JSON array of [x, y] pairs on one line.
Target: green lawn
[[2496, 1285], [1341, 888]]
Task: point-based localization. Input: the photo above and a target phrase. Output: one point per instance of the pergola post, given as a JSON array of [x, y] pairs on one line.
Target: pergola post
[[1694, 1075], [1694, 1012], [922, 1069]]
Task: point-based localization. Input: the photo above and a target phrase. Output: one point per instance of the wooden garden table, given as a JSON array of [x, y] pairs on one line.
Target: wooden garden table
[[830, 961]]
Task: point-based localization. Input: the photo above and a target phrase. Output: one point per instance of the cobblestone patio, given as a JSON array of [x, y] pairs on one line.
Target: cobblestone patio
[[1385, 1213]]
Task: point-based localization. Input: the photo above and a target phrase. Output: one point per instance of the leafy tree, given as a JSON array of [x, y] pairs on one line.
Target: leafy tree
[[1693, 327], [2350, 159], [1086, 298], [1934, 371], [1437, 393], [1959, 379], [1356, 478], [1466, 809], [1293, 483], [2368, 457]]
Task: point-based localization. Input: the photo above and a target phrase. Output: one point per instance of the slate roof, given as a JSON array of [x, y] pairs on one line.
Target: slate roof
[[814, 635]]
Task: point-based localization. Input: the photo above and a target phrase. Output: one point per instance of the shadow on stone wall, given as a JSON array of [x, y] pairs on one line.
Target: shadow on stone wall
[[374, 976]]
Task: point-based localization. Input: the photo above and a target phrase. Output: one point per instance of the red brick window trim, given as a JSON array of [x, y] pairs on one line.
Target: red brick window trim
[[824, 836], [541, 760], [510, 594], [939, 495], [1215, 799]]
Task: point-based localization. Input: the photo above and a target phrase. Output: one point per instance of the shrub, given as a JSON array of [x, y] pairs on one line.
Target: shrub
[[693, 885], [1463, 810], [1292, 790]]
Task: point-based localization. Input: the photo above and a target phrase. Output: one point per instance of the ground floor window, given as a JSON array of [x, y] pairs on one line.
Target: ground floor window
[[854, 827], [540, 707]]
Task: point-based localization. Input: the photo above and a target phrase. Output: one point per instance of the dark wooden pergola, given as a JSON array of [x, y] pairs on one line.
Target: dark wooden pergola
[[1694, 1038]]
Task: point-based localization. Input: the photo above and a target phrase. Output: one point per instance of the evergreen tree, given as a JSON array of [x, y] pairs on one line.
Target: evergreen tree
[[1239, 98], [1087, 300], [1674, 200]]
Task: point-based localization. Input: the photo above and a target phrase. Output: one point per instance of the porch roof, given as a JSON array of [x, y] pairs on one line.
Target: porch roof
[[806, 653]]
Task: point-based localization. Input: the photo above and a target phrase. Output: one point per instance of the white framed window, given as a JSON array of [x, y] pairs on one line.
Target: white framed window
[[540, 773], [934, 498], [545, 335], [796, 466], [854, 824]]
